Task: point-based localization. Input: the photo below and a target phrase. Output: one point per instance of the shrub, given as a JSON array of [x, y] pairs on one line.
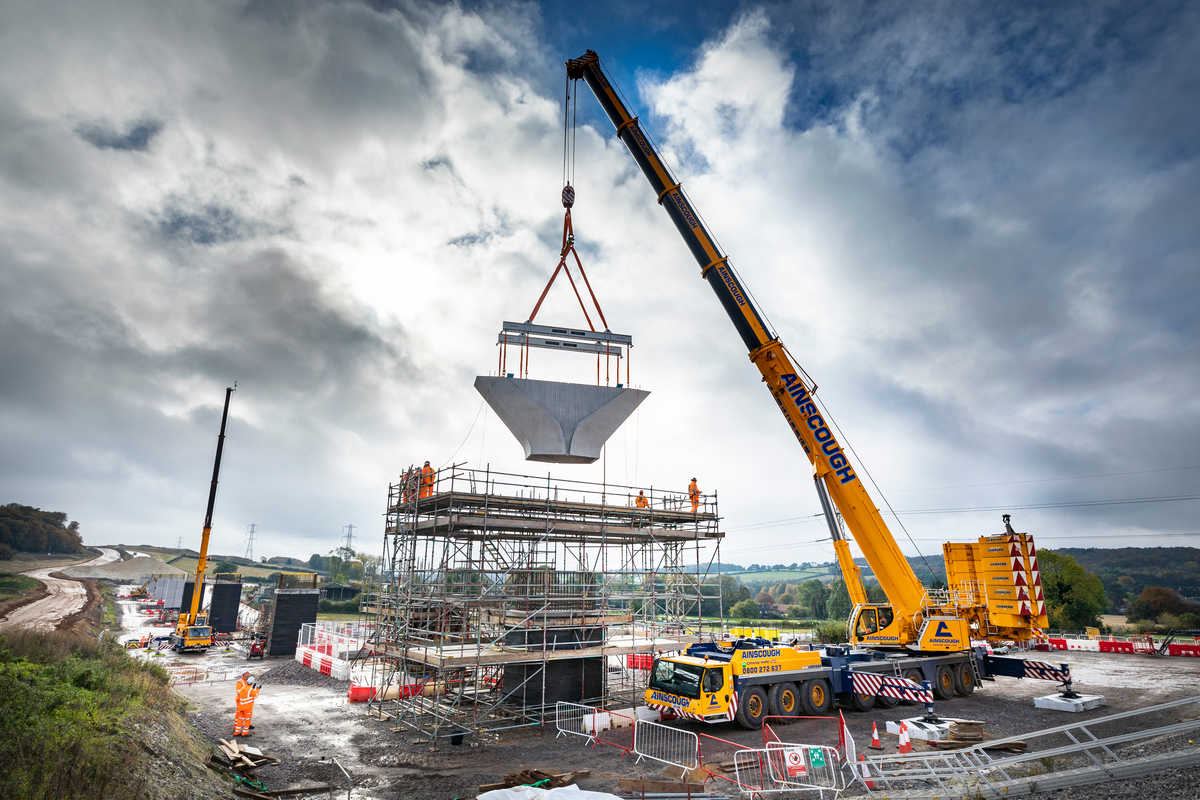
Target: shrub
[[65, 701], [337, 606], [746, 609], [831, 631]]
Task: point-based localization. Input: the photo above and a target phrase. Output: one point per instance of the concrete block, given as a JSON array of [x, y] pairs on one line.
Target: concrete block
[[1056, 702], [925, 731], [562, 423]]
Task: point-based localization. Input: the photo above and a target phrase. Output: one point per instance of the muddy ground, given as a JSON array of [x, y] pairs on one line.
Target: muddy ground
[[302, 720]]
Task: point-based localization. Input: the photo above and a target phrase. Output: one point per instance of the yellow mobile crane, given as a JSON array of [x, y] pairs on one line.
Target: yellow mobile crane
[[914, 618], [193, 632], [914, 647]]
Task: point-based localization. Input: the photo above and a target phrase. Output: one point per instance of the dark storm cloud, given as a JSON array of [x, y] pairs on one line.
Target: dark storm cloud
[[136, 136]]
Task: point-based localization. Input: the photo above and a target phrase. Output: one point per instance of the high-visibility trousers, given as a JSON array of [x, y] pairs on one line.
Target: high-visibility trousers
[[241, 719], [695, 504]]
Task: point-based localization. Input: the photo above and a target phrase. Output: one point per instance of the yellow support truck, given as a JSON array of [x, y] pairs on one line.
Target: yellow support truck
[[748, 680]]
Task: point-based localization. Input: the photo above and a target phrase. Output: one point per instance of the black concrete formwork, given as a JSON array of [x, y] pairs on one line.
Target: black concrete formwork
[[223, 607], [292, 609], [572, 680]]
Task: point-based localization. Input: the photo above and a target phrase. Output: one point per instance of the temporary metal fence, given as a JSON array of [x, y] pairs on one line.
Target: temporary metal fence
[[666, 745], [824, 731], [187, 674], [1087, 759], [574, 719], [595, 725], [791, 768]]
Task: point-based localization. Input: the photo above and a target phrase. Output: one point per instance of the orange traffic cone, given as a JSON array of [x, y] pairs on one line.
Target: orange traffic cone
[[875, 743], [905, 744], [866, 774]]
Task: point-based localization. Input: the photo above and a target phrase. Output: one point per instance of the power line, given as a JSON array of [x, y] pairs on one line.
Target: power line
[[179, 543], [774, 523], [1047, 480], [1069, 504], [349, 545]]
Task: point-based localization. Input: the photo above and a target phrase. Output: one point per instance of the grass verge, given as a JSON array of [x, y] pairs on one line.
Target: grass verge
[[67, 704]]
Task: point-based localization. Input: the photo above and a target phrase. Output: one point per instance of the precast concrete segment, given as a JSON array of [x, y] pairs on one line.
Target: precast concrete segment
[[561, 423], [65, 598]]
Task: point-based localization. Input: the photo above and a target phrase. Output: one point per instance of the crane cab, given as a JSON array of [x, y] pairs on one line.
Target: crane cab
[[875, 625], [192, 637]]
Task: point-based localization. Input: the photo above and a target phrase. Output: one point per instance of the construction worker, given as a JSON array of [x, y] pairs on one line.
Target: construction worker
[[407, 486], [246, 692], [641, 500], [426, 480], [694, 494]]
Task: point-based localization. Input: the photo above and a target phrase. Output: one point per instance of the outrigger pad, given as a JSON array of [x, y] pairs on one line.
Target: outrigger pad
[[562, 423]]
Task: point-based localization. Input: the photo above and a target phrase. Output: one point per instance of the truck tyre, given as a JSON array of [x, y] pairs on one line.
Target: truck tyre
[[916, 676], [858, 702], [783, 700], [964, 679], [816, 697], [943, 682], [752, 707]]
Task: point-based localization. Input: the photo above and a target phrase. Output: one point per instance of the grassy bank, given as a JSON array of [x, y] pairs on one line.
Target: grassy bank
[[12, 586], [67, 707]]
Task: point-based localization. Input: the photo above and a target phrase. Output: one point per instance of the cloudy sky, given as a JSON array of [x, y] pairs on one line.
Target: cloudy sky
[[975, 225]]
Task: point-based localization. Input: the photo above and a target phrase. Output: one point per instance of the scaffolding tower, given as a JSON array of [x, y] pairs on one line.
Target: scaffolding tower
[[500, 595]]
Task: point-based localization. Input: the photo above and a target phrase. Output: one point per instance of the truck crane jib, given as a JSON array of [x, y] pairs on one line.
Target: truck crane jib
[[917, 645]]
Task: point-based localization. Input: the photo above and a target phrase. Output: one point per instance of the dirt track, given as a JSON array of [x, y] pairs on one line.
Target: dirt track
[[64, 598]]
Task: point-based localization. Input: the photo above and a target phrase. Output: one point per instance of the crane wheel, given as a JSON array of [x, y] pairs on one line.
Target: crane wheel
[[783, 700], [916, 676], [858, 702], [816, 697], [752, 708], [964, 679], [943, 682]]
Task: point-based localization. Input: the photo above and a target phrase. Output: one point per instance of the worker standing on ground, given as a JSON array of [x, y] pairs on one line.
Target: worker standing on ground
[[426, 480], [694, 494], [641, 501], [246, 693]]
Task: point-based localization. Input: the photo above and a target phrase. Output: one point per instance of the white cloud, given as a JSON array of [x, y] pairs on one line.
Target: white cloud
[[343, 203]]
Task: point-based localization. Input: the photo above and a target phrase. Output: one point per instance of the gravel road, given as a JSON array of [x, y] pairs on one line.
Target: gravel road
[[66, 597]]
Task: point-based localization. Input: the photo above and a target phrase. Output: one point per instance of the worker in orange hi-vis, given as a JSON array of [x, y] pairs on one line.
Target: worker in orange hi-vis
[[694, 494], [426, 480], [406, 486], [246, 692], [641, 500]]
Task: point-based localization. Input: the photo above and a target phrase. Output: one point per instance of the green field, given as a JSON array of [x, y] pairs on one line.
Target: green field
[[781, 575]]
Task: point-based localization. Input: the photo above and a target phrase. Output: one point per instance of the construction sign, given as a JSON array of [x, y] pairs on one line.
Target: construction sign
[[794, 758], [816, 757]]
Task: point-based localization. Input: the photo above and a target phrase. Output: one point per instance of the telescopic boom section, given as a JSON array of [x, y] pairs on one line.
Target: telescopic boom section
[[202, 564], [794, 397]]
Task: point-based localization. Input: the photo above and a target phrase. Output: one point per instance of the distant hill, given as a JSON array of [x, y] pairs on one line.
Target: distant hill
[[25, 529], [1125, 571]]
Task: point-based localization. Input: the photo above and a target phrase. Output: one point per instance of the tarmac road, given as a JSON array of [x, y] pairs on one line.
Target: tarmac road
[[66, 597]]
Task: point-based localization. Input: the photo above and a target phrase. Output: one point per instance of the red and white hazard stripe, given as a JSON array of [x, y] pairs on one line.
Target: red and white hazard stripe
[[889, 686]]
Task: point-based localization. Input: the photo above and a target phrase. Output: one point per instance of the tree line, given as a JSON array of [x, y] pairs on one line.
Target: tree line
[[24, 529]]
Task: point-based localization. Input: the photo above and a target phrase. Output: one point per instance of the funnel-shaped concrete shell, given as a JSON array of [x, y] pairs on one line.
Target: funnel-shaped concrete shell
[[563, 423]]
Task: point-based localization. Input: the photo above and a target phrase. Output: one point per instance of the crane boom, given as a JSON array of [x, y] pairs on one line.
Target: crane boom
[[190, 634], [792, 393]]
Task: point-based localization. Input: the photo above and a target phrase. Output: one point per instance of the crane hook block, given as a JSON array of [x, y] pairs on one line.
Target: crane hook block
[[568, 196]]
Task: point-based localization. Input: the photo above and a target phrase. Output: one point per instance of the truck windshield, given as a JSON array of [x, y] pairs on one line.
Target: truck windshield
[[199, 633], [676, 678]]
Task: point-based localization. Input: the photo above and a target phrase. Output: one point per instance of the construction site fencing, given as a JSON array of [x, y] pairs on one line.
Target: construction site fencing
[[187, 674], [791, 768], [824, 731], [666, 745], [717, 759]]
